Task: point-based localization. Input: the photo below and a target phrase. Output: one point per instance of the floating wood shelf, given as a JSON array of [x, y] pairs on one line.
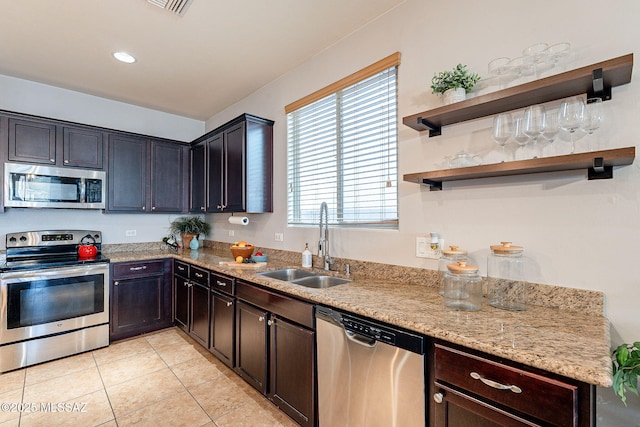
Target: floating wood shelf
[[596, 80], [598, 163]]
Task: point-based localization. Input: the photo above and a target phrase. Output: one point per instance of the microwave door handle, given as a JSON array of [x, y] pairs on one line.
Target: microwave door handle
[[83, 187]]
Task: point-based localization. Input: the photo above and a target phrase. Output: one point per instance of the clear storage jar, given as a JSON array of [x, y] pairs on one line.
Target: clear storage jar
[[463, 287], [506, 284], [449, 256]]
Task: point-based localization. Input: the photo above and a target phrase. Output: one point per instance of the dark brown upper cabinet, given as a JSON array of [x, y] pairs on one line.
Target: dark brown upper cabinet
[[238, 167], [42, 141]]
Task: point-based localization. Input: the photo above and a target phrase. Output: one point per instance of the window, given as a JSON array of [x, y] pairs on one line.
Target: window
[[342, 149]]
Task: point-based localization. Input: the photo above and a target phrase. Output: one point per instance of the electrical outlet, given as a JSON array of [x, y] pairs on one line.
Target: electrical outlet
[[423, 249], [279, 237], [232, 233], [130, 233]]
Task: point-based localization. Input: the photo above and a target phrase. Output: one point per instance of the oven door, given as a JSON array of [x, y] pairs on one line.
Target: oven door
[[36, 303]]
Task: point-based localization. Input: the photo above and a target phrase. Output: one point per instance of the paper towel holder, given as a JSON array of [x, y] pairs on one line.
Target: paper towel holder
[[238, 220]]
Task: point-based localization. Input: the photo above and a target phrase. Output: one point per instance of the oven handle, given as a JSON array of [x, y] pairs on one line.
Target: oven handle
[[54, 273]]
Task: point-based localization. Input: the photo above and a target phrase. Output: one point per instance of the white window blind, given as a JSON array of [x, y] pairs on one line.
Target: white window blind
[[342, 149]]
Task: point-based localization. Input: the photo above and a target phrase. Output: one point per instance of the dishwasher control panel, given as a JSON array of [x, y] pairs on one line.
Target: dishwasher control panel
[[369, 330]]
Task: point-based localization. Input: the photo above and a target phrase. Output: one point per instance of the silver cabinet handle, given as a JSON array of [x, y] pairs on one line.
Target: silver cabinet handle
[[270, 322], [142, 267], [494, 384], [220, 283], [144, 208], [52, 160], [66, 161], [199, 275], [202, 208], [261, 319], [181, 268], [229, 303], [153, 208], [116, 283], [437, 397]]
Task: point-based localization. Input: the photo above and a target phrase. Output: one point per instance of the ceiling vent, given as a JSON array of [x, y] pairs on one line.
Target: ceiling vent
[[179, 7]]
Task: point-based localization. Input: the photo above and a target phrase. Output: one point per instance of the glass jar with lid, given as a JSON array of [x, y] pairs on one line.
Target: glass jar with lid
[[449, 256], [506, 284], [463, 287]]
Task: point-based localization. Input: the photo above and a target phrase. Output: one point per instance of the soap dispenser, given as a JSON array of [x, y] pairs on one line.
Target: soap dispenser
[[306, 257]]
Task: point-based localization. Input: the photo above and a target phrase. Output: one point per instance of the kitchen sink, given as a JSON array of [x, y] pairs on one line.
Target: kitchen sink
[[305, 278], [320, 282], [287, 274]]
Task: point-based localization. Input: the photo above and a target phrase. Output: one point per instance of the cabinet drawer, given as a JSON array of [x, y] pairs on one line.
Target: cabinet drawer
[[223, 284], [199, 275], [292, 309], [544, 398], [181, 269], [137, 268]]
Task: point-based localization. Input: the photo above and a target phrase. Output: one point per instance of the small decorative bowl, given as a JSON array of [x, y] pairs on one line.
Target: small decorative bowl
[[244, 252], [259, 258]]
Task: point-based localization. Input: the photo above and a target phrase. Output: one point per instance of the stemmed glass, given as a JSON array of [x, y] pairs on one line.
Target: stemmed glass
[[551, 127], [502, 131], [533, 124], [571, 117], [592, 116], [500, 67], [518, 134], [535, 55]]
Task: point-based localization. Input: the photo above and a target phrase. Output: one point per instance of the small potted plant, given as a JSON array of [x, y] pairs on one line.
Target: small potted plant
[[189, 227], [454, 84], [626, 369]]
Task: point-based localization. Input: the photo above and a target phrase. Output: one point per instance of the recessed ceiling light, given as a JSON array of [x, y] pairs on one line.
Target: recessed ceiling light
[[124, 57]]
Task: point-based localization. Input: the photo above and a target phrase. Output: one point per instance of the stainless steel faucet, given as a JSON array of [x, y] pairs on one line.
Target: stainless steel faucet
[[323, 242]]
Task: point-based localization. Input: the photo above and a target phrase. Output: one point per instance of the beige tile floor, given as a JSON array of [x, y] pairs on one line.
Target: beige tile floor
[[160, 379]]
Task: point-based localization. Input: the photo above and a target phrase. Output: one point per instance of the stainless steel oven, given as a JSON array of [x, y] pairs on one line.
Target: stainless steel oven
[[52, 303]]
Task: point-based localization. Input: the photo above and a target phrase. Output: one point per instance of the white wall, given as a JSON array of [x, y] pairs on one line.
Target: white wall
[[37, 99], [578, 233]]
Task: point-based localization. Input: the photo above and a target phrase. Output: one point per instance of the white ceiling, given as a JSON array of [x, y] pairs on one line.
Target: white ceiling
[[195, 66]]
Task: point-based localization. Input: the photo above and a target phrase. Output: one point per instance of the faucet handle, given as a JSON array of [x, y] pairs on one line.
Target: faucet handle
[[347, 270]]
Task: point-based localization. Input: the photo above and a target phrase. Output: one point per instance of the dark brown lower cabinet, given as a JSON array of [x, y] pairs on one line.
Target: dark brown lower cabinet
[[181, 302], [251, 345], [199, 314], [140, 298], [292, 353], [469, 388], [191, 301], [275, 349], [222, 338]]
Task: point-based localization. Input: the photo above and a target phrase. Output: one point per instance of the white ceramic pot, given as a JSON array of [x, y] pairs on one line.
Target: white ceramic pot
[[454, 95]]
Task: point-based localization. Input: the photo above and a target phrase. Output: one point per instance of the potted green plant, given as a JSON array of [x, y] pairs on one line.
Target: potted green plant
[[189, 227], [626, 369], [454, 84]]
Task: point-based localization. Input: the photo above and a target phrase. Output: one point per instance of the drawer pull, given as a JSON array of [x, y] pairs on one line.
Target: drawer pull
[[143, 267], [437, 397], [261, 319], [494, 384], [199, 275], [229, 303], [181, 268], [220, 283]]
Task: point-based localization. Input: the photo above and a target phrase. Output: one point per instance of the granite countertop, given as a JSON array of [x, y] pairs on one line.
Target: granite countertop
[[564, 342]]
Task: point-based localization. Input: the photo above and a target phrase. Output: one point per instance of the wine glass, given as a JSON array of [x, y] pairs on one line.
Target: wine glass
[[502, 131], [558, 53], [571, 117], [533, 124], [521, 138], [500, 67], [551, 127], [535, 55], [592, 116]]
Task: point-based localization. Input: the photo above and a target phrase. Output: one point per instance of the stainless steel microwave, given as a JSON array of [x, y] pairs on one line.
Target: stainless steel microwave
[[35, 186]]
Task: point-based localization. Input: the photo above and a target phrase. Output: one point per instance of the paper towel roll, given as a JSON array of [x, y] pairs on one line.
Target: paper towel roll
[[240, 220]]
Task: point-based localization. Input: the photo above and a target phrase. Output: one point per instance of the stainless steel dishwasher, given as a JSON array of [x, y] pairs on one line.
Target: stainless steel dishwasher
[[369, 374]]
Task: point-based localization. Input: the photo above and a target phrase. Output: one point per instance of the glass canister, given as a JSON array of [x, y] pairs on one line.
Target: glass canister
[[506, 284], [463, 287], [449, 256]]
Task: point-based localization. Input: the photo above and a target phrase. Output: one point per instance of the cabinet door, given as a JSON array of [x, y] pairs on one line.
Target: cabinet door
[[127, 174], [199, 321], [198, 201], [292, 380], [138, 306], [168, 175], [453, 409], [215, 170], [234, 170], [251, 345], [222, 338], [32, 141], [181, 302], [82, 147]]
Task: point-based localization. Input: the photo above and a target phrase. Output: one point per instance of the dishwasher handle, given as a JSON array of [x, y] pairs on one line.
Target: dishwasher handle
[[360, 339]]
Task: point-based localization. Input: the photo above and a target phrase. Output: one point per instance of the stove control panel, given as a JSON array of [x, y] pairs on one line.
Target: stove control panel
[[370, 330], [51, 238]]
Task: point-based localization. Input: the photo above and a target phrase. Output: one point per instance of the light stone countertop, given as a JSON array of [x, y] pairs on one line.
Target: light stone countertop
[[560, 341]]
